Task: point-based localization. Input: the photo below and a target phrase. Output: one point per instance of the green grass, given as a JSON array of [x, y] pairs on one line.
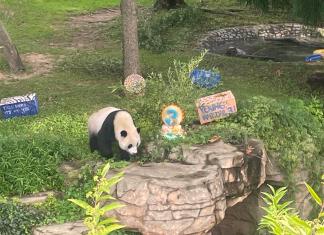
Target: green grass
[[34, 23]]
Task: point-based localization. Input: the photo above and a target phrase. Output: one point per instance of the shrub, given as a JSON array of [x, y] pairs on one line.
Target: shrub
[[174, 87], [18, 219], [152, 29], [281, 219], [289, 130]]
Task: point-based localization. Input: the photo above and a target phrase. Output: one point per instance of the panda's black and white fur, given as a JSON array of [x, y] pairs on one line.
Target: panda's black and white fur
[[111, 124]]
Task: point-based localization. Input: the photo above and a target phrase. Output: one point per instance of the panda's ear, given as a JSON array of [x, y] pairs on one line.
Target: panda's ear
[[138, 130], [123, 133]]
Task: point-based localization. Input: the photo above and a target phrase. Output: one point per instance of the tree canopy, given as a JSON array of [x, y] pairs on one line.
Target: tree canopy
[[311, 11]]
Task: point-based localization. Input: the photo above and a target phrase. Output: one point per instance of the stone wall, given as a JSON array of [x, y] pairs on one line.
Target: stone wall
[[271, 31]]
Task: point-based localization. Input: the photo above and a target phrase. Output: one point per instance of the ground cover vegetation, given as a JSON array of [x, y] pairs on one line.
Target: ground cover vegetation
[[275, 103]]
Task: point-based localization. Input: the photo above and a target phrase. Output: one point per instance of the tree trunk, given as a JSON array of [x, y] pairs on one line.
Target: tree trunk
[[10, 51], [168, 4], [130, 38]]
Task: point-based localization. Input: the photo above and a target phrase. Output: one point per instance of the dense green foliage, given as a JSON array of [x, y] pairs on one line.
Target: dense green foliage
[[18, 219], [153, 28], [311, 11], [292, 134], [280, 219]]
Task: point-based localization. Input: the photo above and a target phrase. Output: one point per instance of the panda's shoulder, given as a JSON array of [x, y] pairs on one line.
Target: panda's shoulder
[[97, 119]]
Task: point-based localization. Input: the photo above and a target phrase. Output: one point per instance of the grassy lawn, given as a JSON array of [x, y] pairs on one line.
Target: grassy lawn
[[274, 101]]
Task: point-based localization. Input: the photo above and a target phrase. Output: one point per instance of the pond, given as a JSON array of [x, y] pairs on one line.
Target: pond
[[280, 50]]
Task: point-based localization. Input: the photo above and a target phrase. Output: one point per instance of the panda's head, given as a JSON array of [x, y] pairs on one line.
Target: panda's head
[[127, 135], [129, 140]]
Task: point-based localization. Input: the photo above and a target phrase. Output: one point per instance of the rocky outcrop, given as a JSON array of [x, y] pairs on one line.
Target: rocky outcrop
[[76, 228], [191, 196], [171, 198], [37, 197]]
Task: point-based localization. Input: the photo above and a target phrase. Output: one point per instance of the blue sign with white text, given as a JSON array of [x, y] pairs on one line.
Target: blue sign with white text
[[19, 106]]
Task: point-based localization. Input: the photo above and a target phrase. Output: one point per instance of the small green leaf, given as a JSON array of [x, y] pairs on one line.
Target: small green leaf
[[320, 231], [81, 204], [108, 221], [111, 206], [314, 194], [105, 198], [305, 226], [321, 215], [105, 170]]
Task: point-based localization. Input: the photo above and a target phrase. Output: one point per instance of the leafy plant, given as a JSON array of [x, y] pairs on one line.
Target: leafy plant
[[280, 219], [98, 196], [18, 219], [152, 30], [316, 108], [161, 89], [311, 11], [292, 134]]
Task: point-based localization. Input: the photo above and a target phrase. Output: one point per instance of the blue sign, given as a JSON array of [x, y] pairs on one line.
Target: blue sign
[[19, 106], [205, 78]]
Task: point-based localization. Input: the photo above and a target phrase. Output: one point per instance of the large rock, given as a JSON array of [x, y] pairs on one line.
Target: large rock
[[241, 171], [37, 197], [76, 228], [171, 198], [189, 196]]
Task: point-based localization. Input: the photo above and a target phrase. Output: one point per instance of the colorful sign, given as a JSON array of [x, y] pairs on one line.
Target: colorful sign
[[172, 116], [19, 106], [216, 106]]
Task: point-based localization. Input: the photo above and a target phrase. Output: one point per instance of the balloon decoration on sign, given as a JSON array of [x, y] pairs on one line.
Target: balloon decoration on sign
[[172, 116]]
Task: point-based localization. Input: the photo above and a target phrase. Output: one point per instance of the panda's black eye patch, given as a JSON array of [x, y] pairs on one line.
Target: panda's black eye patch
[[123, 133], [129, 146]]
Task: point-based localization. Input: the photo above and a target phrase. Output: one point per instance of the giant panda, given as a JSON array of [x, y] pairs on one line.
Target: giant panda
[[109, 125]]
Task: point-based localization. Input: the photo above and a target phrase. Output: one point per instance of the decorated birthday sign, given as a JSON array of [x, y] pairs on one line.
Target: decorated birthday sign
[[216, 106], [172, 116]]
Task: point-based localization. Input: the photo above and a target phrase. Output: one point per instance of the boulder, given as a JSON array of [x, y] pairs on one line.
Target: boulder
[[171, 198], [188, 196], [75, 228], [37, 197]]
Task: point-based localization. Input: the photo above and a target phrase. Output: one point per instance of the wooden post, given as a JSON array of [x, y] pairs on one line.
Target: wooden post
[[130, 38], [10, 51]]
